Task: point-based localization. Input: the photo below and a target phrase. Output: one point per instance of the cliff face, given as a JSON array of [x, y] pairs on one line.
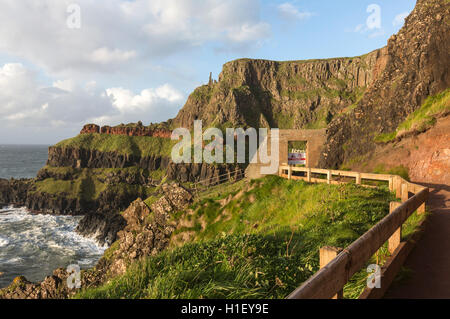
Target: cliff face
[[83, 158], [28, 193], [79, 181], [418, 64], [294, 94]]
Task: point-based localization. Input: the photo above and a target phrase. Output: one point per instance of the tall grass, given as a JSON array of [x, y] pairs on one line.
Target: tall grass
[[265, 246]]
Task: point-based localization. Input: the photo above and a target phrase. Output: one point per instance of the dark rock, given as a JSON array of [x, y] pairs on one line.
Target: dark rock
[[52, 287], [147, 231], [14, 191], [103, 227], [84, 158]]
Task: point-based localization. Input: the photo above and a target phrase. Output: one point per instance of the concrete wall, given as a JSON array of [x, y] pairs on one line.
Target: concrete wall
[[315, 140]]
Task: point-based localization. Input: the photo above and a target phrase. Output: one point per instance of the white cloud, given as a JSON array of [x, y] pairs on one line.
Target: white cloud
[[107, 56], [246, 32], [115, 34], [400, 19], [288, 11], [25, 102], [150, 105], [119, 41], [370, 32], [65, 85], [376, 33]]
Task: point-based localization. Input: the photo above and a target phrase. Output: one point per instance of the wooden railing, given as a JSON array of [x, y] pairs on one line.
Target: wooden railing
[[204, 184], [335, 272]]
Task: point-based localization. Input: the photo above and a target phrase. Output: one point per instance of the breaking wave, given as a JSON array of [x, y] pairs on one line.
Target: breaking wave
[[34, 245]]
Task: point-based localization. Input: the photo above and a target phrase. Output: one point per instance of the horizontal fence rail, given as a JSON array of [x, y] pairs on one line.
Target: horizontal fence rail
[[233, 176], [329, 281]]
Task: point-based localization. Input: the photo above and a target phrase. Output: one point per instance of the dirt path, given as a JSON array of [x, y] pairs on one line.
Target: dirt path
[[430, 259]]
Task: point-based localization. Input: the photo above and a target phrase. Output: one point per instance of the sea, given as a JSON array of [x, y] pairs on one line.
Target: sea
[[33, 245]]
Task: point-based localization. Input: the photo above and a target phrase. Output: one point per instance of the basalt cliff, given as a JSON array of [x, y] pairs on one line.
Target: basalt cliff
[[292, 94]]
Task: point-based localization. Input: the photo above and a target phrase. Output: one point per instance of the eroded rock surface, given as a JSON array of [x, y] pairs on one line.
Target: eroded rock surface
[[148, 231]]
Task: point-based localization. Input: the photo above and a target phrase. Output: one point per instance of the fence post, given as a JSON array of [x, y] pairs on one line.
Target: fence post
[[404, 192], [395, 239], [391, 184], [398, 187], [329, 177], [308, 174], [289, 172], [327, 254], [421, 209], [358, 178]]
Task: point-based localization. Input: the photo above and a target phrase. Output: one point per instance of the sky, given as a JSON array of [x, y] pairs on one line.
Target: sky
[[67, 63]]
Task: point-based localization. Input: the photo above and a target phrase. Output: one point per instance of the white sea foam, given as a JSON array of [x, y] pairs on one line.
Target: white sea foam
[[14, 260], [33, 245], [3, 242]]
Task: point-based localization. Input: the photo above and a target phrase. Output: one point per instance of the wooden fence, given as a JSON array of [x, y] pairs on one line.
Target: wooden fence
[[204, 184], [338, 266]]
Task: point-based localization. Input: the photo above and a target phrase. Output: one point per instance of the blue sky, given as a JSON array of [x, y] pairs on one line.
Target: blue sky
[[139, 60], [328, 32]]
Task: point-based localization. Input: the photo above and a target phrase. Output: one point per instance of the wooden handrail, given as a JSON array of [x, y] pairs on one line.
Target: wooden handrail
[[371, 176], [331, 279]]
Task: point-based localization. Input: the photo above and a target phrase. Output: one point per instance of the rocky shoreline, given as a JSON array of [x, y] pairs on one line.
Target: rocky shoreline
[[141, 231]]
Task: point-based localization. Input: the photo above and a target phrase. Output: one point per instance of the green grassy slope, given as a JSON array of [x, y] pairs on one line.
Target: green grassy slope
[[260, 240]]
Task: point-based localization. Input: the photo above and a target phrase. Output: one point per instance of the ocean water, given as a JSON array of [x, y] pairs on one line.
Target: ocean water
[[22, 161], [34, 245]]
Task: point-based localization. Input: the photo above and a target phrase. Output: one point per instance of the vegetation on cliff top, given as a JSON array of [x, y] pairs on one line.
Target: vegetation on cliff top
[[421, 119], [122, 144], [259, 240]]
